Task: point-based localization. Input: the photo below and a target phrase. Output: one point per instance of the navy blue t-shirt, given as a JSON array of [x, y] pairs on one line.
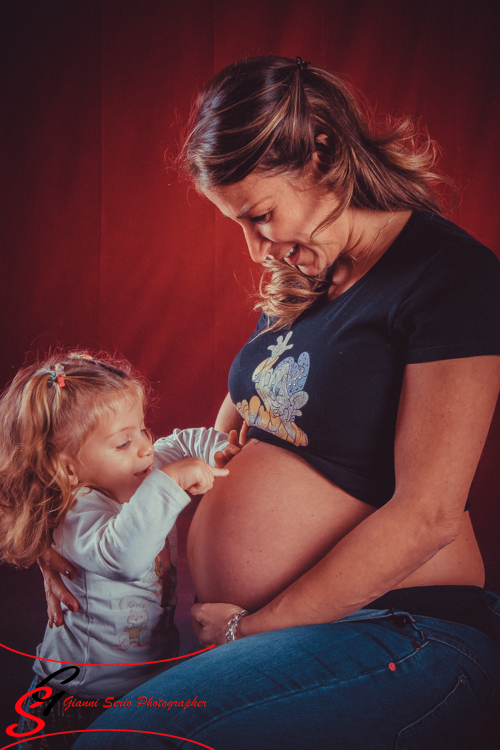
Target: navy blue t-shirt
[[328, 388]]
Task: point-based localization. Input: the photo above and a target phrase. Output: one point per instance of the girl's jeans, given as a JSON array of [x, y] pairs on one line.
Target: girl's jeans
[[372, 681]]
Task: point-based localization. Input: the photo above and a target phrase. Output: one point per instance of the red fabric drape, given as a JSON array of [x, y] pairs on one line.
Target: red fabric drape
[[102, 246]]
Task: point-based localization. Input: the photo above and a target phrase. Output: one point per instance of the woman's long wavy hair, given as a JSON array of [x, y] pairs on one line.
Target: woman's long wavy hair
[[39, 420], [271, 115]]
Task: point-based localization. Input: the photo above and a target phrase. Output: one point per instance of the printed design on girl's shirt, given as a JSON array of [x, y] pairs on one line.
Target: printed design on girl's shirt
[[137, 629], [280, 394], [161, 580]]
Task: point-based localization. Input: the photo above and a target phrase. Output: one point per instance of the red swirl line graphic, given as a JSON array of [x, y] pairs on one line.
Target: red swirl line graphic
[[84, 664], [137, 731]]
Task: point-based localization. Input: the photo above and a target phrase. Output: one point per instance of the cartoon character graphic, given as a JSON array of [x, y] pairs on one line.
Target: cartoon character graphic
[[137, 623], [280, 394]]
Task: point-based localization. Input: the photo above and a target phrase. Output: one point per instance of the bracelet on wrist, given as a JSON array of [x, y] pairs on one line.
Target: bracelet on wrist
[[232, 624]]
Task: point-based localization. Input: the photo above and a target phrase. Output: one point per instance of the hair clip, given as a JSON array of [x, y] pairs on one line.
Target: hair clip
[[59, 376], [109, 368], [301, 63]]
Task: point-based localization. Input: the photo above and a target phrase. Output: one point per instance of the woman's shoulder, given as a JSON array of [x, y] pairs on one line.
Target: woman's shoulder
[[447, 303], [429, 235], [433, 250]]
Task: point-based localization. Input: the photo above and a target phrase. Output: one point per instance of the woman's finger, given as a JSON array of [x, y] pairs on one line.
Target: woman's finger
[[233, 438], [220, 459], [195, 611], [243, 433], [55, 592], [54, 611], [197, 628], [52, 559]]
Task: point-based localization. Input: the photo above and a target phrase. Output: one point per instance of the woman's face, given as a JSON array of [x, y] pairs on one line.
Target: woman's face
[[279, 215]]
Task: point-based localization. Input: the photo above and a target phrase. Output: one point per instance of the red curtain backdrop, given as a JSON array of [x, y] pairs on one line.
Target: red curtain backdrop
[[103, 246]]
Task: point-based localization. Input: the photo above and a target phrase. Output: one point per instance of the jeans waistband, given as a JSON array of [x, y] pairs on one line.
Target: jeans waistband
[[465, 605]]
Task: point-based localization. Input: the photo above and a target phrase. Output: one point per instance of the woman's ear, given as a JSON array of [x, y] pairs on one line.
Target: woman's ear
[[68, 465], [321, 158]]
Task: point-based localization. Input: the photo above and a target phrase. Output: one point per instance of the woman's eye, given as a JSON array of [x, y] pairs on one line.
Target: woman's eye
[[262, 219]]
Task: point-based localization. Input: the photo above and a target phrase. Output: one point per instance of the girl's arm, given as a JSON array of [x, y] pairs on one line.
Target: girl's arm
[[213, 446], [195, 442], [444, 415], [121, 542], [198, 442]]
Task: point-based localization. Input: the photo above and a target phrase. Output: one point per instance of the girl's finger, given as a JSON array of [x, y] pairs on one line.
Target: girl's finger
[[216, 472]]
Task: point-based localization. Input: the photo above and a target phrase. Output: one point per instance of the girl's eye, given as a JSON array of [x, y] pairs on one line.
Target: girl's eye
[[145, 431], [123, 445], [262, 219]]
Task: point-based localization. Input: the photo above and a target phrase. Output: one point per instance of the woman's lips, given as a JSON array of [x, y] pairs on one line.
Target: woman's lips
[[292, 257], [144, 472]]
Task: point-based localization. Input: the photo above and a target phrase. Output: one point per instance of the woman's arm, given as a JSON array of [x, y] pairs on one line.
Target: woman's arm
[[228, 418], [53, 566], [444, 415]]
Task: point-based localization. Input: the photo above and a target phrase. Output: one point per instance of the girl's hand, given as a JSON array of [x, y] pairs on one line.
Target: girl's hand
[[52, 564], [210, 622], [193, 474]]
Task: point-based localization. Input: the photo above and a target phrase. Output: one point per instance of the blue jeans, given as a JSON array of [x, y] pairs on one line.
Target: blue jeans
[[362, 683]]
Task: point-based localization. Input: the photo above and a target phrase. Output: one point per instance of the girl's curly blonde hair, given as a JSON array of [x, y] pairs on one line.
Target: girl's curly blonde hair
[[39, 419], [271, 114]]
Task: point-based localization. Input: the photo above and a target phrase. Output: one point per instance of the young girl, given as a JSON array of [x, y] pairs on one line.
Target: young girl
[[78, 470]]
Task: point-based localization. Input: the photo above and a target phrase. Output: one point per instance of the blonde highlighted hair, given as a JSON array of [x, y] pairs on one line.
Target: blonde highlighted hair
[[271, 115], [39, 420]]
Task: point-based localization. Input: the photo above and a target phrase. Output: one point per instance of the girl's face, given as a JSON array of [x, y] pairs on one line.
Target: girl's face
[[118, 455], [278, 217]]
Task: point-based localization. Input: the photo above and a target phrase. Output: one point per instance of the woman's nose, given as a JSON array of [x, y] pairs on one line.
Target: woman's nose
[[258, 246]]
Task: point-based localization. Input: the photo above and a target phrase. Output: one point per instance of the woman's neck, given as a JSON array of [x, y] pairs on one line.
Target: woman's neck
[[376, 233]]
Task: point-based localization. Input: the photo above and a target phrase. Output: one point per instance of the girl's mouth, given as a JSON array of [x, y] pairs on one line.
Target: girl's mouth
[[143, 473]]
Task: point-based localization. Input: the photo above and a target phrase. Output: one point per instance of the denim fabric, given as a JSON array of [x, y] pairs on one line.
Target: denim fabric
[[60, 719], [367, 682]]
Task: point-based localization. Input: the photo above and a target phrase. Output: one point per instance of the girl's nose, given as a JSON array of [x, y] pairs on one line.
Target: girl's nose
[[146, 445]]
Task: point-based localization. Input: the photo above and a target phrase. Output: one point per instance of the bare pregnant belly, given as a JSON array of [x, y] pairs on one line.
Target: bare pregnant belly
[[274, 517]]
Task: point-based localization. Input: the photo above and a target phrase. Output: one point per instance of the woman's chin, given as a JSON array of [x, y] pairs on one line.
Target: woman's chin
[[312, 270]]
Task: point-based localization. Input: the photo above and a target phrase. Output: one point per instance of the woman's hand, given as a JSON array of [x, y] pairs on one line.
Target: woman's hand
[[210, 622], [193, 475], [233, 448], [52, 564]]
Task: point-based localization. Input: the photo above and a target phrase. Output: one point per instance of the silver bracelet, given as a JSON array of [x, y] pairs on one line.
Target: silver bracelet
[[233, 622]]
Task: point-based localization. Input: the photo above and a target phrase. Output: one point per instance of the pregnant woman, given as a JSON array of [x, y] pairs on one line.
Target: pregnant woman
[[336, 566]]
